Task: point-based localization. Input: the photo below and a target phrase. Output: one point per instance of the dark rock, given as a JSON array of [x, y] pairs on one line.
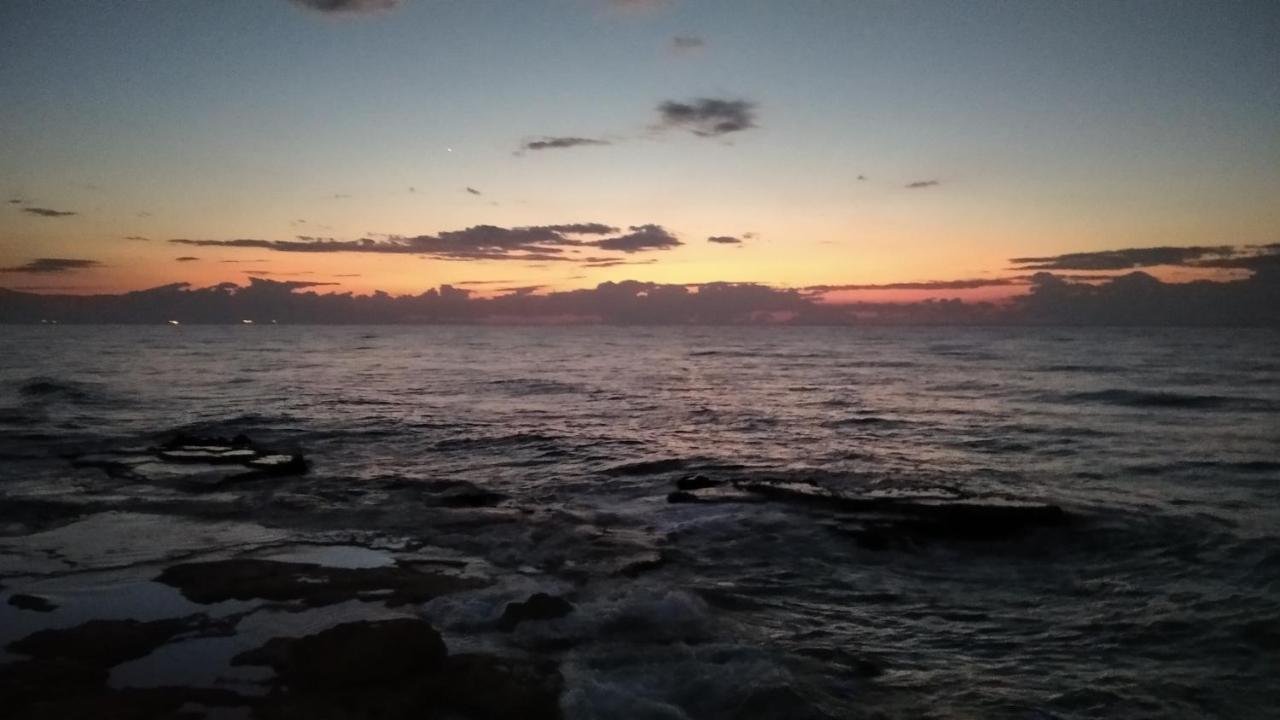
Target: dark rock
[[485, 687], [888, 521], [32, 602], [104, 643], [39, 689], [467, 496], [680, 496], [539, 606], [697, 482], [777, 702], [31, 680], [312, 585], [358, 654], [399, 669]]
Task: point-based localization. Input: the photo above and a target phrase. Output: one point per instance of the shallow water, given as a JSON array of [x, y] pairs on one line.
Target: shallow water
[[1163, 601]]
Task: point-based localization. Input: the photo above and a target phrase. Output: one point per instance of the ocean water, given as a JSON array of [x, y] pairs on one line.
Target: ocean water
[[1161, 599]]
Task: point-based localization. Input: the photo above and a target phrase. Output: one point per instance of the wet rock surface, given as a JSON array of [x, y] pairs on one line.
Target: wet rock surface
[[104, 643], [309, 584], [196, 462], [399, 669]]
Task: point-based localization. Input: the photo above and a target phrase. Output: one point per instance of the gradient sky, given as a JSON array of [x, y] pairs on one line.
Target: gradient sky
[[1033, 129]]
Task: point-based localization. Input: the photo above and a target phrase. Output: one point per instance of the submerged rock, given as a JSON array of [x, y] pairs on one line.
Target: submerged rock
[[399, 669], [352, 655], [34, 603], [104, 643], [882, 521], [697, 482], [539, 606], [307, 583]]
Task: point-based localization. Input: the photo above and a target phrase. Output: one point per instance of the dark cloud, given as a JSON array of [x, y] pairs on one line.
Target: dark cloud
[[583, 228], [724, 240], [684, 43], [480, 242], [473, 191], [17, 201], [918, 184], [641, 237], [708, 117], [1133, 299], [560, 143], [1124, 259], [522, 290], [186, 258], [52, 265], [46, 212], [927, 285], [347, 6]]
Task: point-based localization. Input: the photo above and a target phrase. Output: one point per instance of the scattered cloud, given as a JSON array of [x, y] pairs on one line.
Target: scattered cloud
[[46, 212], [708, 117], [560, 143], [724, 240], [1126, 259], [347, 6], [186, 258], [137, 238], [17, 201], [641, 237], [583, 228], [52, 265], [479, 242], [918, 184], [473, 191]]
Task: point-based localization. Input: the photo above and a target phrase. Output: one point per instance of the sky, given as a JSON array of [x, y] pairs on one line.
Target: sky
[[541, 147]]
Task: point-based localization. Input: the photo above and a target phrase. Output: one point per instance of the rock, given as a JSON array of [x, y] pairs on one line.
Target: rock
[[104, 643], [38, 689], [31, 680], [466, 495], [880, 522], [697, 482], [32, 602], [399, 669], [310, 584], [486, 687], [357, 654], [539, 606], [777, 702]]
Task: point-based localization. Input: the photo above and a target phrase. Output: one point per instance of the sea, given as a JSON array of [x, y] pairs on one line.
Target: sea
[[1159, 599]]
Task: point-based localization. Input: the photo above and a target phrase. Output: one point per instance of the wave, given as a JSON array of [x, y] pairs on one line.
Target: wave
[[48, 389], [1168, 400]]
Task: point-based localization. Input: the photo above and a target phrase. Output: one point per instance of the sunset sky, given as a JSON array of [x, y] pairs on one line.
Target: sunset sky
[[819, 143]]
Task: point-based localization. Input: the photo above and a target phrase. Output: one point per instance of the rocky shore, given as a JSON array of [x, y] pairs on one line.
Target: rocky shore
[[211, 577]]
